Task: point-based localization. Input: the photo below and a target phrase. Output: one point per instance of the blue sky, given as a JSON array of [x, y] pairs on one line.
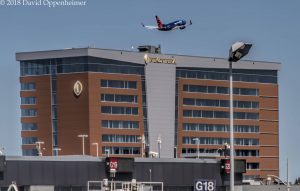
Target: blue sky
[[271, 25]]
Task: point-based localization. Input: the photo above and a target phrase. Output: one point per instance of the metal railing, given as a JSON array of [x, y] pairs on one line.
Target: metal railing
[[106, 185]]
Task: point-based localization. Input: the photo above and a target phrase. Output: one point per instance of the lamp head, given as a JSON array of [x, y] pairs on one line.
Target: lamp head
[[238, 50]]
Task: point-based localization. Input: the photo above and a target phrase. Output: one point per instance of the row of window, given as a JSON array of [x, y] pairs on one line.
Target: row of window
[[29, 140], [119, 110], [120, 124], [219, 90], [121, 150], [219, 141], [241, 153], [213, 75], [42, 67], [219, 114], [28, 86], [220, 103], [120, 138], [29, 126], [28, 112], [118, 84], [119, 98], [28, 100], [219, 128], [100, 67]]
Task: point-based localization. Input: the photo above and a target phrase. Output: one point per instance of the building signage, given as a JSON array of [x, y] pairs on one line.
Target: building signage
[[227, 166], [113, 164], [149, 59], [77, 88], [205, 185]]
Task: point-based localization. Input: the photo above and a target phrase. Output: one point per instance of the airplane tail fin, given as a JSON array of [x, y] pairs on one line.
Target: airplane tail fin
[[159, 23]]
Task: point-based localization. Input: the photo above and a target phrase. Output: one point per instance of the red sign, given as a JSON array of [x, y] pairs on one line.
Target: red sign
[[113, 163], [227, 166]]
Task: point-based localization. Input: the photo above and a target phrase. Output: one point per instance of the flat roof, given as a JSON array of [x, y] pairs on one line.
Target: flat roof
[[138, 58], [87, 158]]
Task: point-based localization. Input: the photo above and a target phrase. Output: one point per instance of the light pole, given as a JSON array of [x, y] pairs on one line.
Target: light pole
[[38, 145], [159, 145], [175, 149], [142, 139], [237, 51], [97, 148], [82, 136], [56, 149], [198, 143], [150, 177]]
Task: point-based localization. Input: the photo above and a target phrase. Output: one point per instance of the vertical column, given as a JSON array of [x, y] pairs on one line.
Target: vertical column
[[160, 86]]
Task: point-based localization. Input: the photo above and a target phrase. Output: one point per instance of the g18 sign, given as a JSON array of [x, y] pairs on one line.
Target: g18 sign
[[205, 185]]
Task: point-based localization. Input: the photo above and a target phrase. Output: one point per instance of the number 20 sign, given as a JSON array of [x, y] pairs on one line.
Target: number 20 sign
[[205, 185]]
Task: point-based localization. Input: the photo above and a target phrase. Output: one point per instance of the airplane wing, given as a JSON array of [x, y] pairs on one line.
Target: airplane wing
[[150, 27]]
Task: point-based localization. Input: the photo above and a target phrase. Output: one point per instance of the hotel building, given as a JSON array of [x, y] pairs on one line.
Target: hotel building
[[130, 104]]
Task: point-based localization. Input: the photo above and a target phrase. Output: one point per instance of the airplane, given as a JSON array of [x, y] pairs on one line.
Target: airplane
[[179, 24]]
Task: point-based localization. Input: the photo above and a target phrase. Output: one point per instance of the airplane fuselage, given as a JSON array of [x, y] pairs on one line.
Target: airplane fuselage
[[173, 25]]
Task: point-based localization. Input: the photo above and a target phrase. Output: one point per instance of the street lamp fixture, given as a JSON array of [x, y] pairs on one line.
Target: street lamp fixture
[[237, 51], [83, 136], [39, 148], [198, 143], [97, 148], [142, 140], [159, 145]]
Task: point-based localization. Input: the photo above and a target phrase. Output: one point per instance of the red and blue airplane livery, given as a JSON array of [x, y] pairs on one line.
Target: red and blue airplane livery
[[180, 24]]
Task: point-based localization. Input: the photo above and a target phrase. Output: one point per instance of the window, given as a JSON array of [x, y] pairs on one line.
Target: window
[[118, 84], [29, 152], [252, 166], [119, 110], [28, 100], [219, 90], [219, 114], [219, 128], [220, 103], [29, 126], [121, 150], [219, 141], [55, 139], [28, 86], [120, 138], [29, 140], [35, 67], [247, 153], [120, 124], [260, 76], [119, 98], [28, 112]]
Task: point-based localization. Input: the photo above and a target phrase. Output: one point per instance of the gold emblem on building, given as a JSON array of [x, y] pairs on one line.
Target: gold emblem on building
[[77, 88], [149, 59]]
